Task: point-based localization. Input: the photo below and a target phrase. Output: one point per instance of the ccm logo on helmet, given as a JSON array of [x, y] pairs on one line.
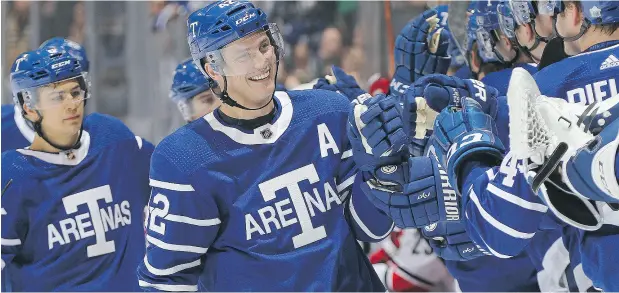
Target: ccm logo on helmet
[[245, 18], [60, 64]]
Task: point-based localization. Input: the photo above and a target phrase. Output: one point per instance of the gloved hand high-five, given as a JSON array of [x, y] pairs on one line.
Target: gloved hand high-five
[[440, 91], [420, 49], [465, 133], [340, 82], [376, 132], [433, 93], [413, 193]]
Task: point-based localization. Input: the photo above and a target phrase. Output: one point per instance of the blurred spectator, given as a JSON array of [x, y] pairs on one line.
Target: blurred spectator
[[76, 31], [56, 18], [330, 50], [352, 63], [17, 32]]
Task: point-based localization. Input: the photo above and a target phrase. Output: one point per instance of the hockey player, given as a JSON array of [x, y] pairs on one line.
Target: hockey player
[[261, 194], [589, 29], [495, 47], [17, 132], [531, 25], [72, 202], [191, 91]]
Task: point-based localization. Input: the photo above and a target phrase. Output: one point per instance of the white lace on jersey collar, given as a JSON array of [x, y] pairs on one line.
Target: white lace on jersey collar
[[69, 158], [265, 134], [22, 125]]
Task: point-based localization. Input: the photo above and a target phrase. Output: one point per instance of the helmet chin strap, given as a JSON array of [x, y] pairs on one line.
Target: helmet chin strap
[[538, 39], [39, 130], [583, 29]]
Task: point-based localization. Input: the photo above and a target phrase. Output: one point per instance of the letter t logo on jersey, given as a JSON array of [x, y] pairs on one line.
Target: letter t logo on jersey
[[291, 181], [90, 198]]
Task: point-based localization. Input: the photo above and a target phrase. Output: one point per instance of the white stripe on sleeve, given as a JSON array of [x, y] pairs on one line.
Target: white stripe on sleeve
[[172, 270], [516, 200], [10, 242], [363, 227], [171, 186], [494, 222], [170, 288], [192, 221], [348, 182], [175, 247]]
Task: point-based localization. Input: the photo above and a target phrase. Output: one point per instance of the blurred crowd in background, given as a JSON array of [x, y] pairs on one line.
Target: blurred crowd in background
[[134, 46]]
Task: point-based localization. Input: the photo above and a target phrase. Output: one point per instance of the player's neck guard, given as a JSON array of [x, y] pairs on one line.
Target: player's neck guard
[[69, 158], [248, 124]]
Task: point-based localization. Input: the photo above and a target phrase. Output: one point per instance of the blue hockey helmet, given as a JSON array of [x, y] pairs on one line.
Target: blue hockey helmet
[[35, 69], [595, 12], [72, 47], [221, 23], [188, 82], [514, 13], [477, 33]]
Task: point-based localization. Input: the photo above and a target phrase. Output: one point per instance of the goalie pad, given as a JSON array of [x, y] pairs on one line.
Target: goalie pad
[[538, 127], [466, 134], [591, 173]]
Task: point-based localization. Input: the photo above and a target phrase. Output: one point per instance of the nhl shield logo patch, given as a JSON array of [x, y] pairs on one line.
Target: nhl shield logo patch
[[266, 133]]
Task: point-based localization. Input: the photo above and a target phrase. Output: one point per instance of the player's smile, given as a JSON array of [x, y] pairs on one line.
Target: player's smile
[[73, 118]]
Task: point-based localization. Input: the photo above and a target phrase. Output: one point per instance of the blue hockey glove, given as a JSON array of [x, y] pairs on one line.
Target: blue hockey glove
[[341, 83], [441, 91], [420, 49], [376, 133], [414, 194], [591, 171], [450, 241], [433, 93], [465, 134]]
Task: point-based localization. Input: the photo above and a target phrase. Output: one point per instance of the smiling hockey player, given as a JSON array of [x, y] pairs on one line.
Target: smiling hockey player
[[73, 201], [260, 194]]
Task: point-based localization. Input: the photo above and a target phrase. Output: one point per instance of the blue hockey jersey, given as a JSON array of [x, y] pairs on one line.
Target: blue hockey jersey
[[490, 273], [583, 78], [273, 209], [500, 79], [16, 133], [74, 221]]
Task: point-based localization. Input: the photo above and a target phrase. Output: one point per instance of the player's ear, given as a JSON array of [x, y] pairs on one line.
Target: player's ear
[[31, 114], [506, 42], [214, 75], [574, 13]]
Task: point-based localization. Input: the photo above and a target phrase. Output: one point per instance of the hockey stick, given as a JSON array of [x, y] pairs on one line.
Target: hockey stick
[[458, 22], [390, 35], [550, 164], [6, 186]]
